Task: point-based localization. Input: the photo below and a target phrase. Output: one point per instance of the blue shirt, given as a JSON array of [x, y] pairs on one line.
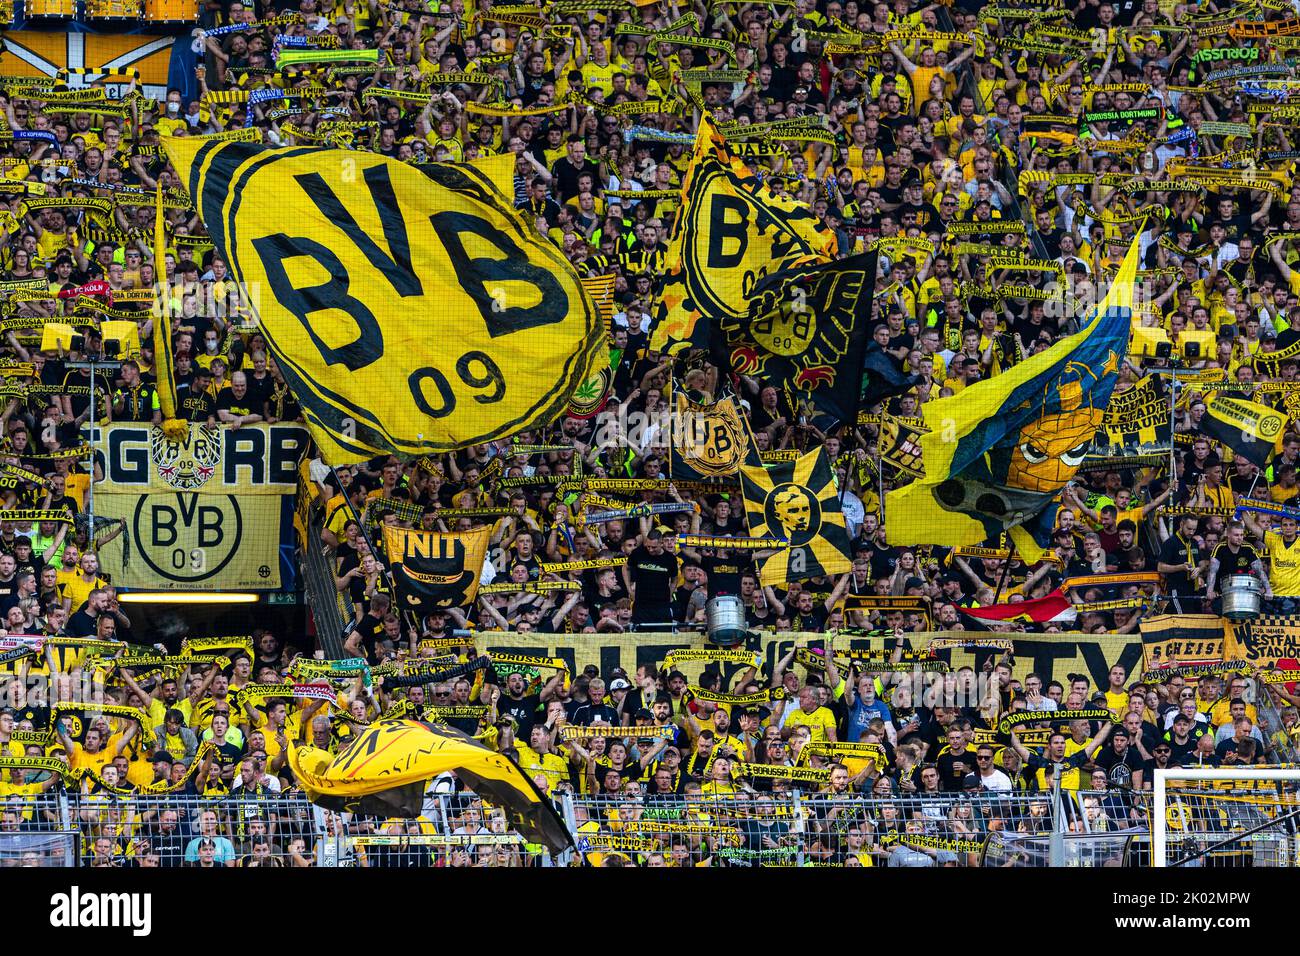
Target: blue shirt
[[863, 714]]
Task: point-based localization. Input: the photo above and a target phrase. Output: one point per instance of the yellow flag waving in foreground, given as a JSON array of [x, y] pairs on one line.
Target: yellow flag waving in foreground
[[411, 310], [385, 768]]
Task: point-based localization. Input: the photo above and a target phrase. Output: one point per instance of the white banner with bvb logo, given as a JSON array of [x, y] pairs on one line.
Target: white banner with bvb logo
[[208, 513]]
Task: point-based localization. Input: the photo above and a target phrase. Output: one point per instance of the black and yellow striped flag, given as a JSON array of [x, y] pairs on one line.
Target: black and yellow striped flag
[[797, 501]]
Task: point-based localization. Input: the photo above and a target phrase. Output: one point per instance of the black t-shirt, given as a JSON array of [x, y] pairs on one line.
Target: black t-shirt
[[1230, 563], [195, 406], [1119, 767], [137, 403], [227, 402], [81, 624], [8, 592], [566, 177], [1178, 752], [814, 620], [594, 599], [369, 627], [1286, 338], [652, 576], [259, 390], [590, 713], [724, 573], [951, 778], [1229, 746], [883, 558], [1178, 551], [526, 711]]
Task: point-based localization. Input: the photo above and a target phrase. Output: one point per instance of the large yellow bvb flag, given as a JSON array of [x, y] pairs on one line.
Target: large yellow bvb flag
[[410, 310], [384, 769]]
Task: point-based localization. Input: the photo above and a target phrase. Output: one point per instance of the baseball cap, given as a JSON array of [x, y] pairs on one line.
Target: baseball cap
[[619, 684], [643, 714]]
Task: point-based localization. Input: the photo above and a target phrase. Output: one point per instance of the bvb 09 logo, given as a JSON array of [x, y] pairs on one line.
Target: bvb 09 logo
[[187, 538], [506, 332]]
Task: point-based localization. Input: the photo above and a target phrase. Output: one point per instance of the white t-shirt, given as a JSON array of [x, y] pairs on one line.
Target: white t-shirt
[[997, 780]]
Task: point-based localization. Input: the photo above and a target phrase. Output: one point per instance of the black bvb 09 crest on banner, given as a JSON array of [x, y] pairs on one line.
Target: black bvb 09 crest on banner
[[190, 463], [709, 441]]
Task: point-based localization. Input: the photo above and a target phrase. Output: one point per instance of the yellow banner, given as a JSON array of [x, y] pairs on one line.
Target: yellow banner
[[181, 541], [1051, 656], [204, 512]]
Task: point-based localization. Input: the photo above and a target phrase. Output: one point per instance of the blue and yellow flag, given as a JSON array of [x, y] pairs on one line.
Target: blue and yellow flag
[[998, 454]]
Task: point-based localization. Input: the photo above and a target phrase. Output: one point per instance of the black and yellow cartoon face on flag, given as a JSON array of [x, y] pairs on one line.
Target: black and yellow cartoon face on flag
[[433, 569], [999, 453], [797, 501]]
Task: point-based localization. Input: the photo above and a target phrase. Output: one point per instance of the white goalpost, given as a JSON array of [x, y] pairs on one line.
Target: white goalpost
[[1226, 814]]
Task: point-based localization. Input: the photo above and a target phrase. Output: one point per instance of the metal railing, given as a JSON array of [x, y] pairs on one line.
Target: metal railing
[[808, 829], [455, 830], [323, 597], [1015, 850], [787, 828]]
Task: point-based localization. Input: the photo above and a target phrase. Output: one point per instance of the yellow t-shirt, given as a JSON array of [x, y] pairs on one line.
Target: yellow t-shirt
[[921, 78], [1221, 713], [1118, 703], [75, 488], [1284, 564], [600, 77], [78, 590], [819, 722], [84, 759], [553, 766]]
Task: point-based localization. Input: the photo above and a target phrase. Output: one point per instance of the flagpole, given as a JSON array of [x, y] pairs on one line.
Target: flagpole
[[1173, 414], [880, 487], [1006, 569]]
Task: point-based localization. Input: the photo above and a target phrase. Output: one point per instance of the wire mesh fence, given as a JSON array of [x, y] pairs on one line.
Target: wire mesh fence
[[1235, 824], [799, 829], [1220, 824]]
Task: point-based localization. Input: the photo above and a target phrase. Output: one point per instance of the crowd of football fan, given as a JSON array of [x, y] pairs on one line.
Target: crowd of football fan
[[929, 133]]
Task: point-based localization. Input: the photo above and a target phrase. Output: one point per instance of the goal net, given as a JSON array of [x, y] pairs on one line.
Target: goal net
[[1220, 817]]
